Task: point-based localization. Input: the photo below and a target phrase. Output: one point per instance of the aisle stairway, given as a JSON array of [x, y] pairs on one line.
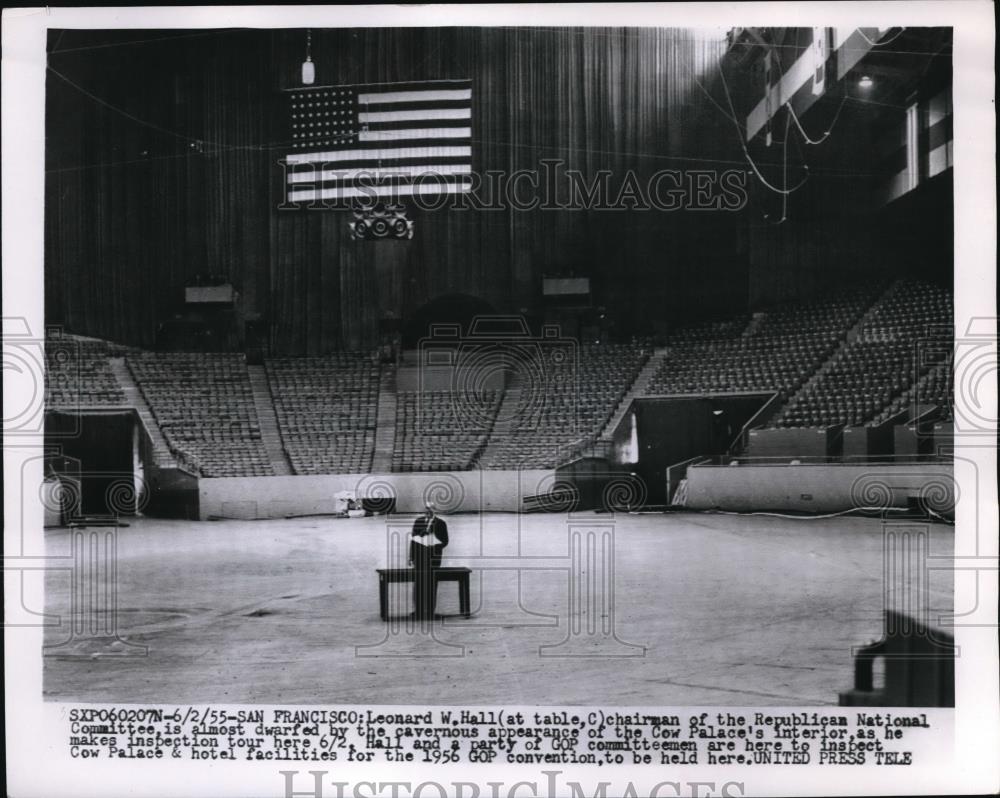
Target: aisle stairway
[[506, 422], [831, 361], [638, 388], [162, 456], [269, 433], [385, 422]]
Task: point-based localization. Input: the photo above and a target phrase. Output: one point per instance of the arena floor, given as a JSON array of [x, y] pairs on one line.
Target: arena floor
[[729, 610]]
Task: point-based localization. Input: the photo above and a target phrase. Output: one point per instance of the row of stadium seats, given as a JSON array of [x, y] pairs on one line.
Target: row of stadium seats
[[906, 335], [204, 405], [936, 388], [533, 450], [78, 373], [776, 352], [706, 331], [442, 430], [566, 402], [326, 409]]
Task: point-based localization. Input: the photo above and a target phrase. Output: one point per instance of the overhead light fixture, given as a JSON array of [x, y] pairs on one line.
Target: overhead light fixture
[[866, 82], [308, 67]]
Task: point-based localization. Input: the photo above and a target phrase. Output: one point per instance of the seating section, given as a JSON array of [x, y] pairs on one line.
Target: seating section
[[936, 387], [78, 374], [904, 337], [714, 330], [204, 405], [778, 351], [569, 405], [442, 430], [326, 409], [899, 355]]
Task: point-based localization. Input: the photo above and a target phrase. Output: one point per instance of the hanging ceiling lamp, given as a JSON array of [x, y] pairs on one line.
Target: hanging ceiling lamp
[[308, 67]]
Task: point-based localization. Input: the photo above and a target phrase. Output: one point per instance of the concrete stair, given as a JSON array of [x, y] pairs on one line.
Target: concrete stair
[[270, 435], [905, 399], [385, 422], [853, 333], [639, 387], [163, 458], [505, 423]]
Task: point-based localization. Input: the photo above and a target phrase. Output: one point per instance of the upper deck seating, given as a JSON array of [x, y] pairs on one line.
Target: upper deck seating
[[776, 352], [905, 336], [78, 374]]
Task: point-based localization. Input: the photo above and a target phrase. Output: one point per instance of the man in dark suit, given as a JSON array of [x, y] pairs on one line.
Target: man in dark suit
[[427, 542]]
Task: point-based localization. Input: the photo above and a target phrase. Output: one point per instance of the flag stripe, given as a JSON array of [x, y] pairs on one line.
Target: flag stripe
[[324, 175], [404, 146], [415, 133], [414, 96], [380, 154], [387, 179], [409, 124], [426, 113], [377, 163], [378, 191], [415, 106]]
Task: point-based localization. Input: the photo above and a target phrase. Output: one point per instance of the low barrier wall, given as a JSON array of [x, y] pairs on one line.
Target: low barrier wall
[[451, 492], [821, 487], [793, 442]]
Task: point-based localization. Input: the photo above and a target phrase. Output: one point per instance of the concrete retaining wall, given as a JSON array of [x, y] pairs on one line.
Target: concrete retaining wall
[[451, 492], [793, 442], [821, 488]]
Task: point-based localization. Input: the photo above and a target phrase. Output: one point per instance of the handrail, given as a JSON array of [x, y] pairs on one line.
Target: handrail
[[682, 467], [741, 441]]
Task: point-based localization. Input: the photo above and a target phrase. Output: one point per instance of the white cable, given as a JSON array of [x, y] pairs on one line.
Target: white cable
[[880, 43], [829, 128], [746, 152], [784, 176], [824, 515], [795, 117], [784, 171]]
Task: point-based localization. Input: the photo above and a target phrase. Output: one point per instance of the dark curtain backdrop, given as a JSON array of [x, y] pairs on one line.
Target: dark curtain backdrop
[[180, 178]]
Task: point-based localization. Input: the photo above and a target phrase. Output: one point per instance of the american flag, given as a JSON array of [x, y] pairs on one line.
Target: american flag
[[379, 142]]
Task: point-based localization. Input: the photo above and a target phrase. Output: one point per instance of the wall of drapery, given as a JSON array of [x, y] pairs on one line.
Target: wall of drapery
[[162, 151]]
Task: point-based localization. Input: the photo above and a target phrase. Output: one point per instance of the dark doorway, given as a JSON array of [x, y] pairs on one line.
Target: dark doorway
[[658, 432], [95, 451]]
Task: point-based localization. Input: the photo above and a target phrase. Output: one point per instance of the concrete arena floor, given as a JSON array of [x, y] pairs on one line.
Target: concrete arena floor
[[731, 611]]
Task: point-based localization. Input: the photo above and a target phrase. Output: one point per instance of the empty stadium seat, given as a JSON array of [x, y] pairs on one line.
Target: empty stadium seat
[[326, 408], [203, 403], [776, 352], [77, 372], [442, 430], [565, 403], [907, 335]]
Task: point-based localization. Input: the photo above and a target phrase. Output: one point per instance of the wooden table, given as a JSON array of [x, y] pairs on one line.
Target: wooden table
[[387, 576]]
